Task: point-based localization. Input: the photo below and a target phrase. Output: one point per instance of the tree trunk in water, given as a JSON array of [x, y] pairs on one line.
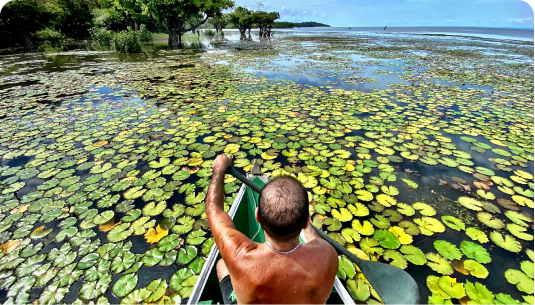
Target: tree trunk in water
[[28, 41], [173, 40]]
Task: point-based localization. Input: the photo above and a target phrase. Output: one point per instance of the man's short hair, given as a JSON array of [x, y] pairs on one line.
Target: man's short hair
[[283, 208]]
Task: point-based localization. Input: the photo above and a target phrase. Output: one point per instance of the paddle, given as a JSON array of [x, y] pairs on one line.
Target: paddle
[[394, 285]]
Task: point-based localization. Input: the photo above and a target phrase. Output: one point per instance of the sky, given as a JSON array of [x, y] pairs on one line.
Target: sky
[[477, 13]]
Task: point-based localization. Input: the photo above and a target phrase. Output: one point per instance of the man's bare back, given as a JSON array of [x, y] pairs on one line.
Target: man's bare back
[[259, 275]]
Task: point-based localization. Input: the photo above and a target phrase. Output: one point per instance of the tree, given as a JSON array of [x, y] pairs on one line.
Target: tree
[[219, 22], [242, 18], [20, 18], [74, 17], [179, 15], [265, 21], [131, 10]]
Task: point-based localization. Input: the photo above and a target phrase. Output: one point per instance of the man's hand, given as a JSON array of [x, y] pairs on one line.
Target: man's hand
[[221, 163]]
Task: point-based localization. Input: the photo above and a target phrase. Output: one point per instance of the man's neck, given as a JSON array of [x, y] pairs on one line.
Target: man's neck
[[282, 246]]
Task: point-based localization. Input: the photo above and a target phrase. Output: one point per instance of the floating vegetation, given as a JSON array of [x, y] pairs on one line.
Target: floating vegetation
[[105, 169]]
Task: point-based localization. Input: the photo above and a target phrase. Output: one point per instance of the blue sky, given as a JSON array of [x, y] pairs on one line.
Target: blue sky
[[483, 13]]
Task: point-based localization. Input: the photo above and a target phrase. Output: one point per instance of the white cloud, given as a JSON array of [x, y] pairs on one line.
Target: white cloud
[[520, 20], [304, 12], [386, 20], [282, 8], [313, 14]]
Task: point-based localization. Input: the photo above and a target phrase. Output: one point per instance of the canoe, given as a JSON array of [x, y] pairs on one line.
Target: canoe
[[206, 290]]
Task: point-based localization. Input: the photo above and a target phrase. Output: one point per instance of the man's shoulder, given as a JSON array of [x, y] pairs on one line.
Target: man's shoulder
[[322, 249]]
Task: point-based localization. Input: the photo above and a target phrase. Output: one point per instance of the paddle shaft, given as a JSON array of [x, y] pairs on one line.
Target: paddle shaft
[[371, 270]]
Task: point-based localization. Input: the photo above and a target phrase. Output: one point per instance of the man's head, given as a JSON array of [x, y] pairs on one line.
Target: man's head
[[283, 208]]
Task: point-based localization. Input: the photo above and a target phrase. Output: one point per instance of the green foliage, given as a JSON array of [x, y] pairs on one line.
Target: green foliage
[[101, 37], [144, 35], [126, 42], [306, 24]]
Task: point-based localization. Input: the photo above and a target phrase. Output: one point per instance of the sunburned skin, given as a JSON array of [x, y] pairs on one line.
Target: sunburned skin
[[259, 274]]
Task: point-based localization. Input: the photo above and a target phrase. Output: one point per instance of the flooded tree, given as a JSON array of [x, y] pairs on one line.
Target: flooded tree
[[219, 22], [178, 15], [265, 21], [242, 18]]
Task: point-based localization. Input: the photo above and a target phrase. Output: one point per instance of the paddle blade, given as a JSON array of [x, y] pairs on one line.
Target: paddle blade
[[394, 285]]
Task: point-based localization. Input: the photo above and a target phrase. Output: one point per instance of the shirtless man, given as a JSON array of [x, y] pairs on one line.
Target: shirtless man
[[281, 270]]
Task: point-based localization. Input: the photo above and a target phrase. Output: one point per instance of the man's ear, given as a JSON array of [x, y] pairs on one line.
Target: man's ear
[[256, 216]]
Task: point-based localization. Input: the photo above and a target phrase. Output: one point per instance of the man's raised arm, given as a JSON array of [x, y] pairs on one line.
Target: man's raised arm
[[229, 241]]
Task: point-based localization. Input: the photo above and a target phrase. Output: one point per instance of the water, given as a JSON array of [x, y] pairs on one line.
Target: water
[[388, 64], [491, 33]]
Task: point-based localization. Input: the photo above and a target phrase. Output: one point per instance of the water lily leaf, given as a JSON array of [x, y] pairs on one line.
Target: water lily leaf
[[53, 294], [152, 257], [405, 209], [424, 209], [123, 262], [358, 289], [168, 243], [453, 222], [450, 286], [332, 224], [87, 261], [490, 220], [380, 221], [397, 259], [124, 285], [366, 228], [103, 217], [134, 193], [350, 235], [476, 234], [505, 241], [434, 287], [155, 235], [153, 209], [404, 238], [386, 239], [411, 184], [436, 299], [409, 227], [431, 224], [358, 209], [40, 232], [413, 254], [366, 196], [344, 215], [439, 264], [518, 231], [196, 237], [470, 203], [479, 293], [448, 250], [120, 233], [197, 264], [370, 246], [520, 279], [386, 200], [475, 251], [476, 269]]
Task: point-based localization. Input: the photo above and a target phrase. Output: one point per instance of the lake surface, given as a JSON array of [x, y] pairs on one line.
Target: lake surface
[[494, 33], [416, 150]]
